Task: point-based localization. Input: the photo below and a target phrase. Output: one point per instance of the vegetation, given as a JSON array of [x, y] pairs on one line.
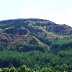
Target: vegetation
[[37, 60], [24, 68], [35, 45]]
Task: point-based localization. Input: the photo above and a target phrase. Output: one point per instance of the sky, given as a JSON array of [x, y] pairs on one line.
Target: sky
[[58, 11]]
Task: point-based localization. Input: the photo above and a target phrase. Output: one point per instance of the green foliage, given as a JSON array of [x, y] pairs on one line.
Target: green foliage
[[61, 45], [0, 69], [53, 53], [24, 69], [13, 69], [5, 70], [45, 69], [27, 47]]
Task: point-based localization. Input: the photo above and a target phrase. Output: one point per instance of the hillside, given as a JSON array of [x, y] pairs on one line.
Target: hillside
[[36, 43], [32, 31]]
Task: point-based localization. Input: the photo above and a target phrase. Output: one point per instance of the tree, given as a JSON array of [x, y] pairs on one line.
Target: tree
[[46, 69], [12, 69], [24, 69], [5, 70]]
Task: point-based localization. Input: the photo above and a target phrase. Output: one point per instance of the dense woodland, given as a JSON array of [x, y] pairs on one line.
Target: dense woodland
[[35, 45]]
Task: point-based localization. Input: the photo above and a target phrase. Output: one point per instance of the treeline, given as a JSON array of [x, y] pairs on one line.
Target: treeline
[[35, 58], [61, 45], [24, 47], [33, 55], [24, 68]]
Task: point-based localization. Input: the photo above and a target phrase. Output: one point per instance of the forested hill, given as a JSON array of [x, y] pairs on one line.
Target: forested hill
[[32, 31], [36, 43]]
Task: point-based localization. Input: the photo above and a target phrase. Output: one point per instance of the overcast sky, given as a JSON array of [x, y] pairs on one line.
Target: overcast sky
[[59, 11]]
